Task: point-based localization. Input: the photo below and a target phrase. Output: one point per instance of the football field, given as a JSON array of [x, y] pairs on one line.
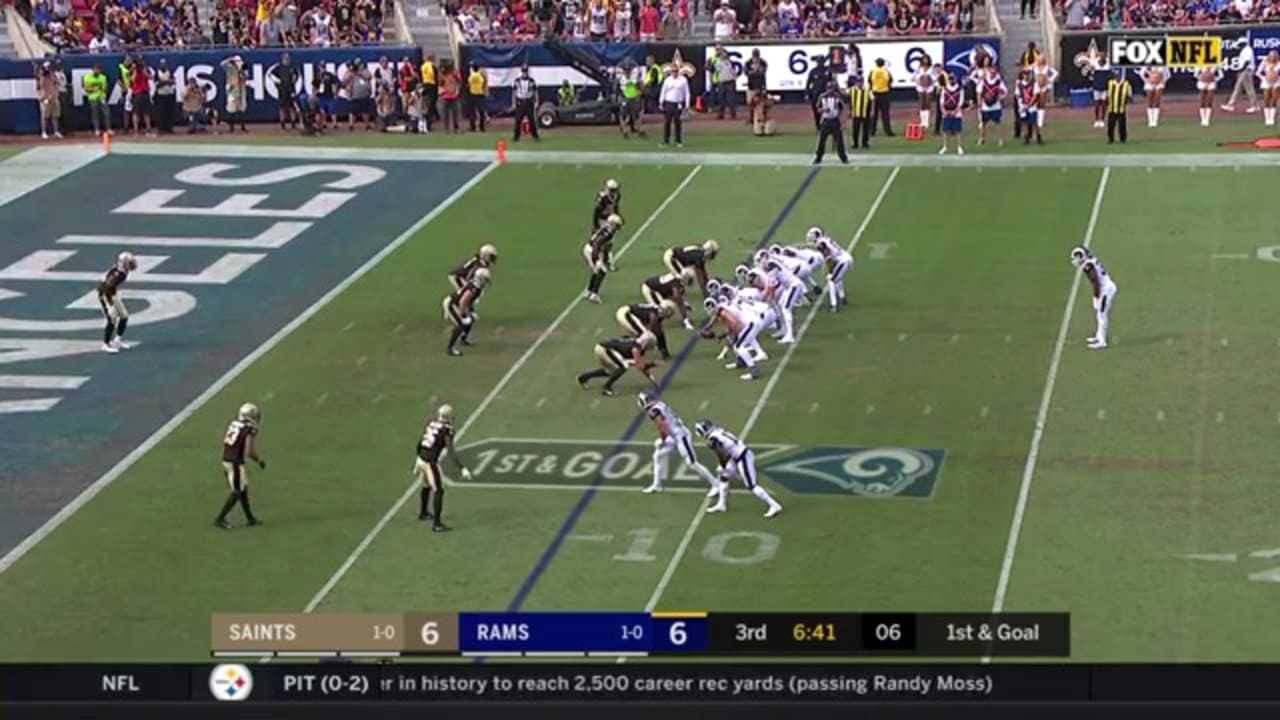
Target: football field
[[946, 442]]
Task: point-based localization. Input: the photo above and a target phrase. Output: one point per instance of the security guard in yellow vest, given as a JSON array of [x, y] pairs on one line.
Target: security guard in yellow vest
[[431, 88], [477, 97]]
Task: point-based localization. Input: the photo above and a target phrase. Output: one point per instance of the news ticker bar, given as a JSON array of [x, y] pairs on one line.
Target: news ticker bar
[[940, 635], [523, 683]]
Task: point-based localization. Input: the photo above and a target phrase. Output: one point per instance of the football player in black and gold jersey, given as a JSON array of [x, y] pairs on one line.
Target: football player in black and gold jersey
[[640, 318], [608, 202], [667, 287], [112, 307], [486, 257], [616, 356], [598, 252], [693, 259], [238, 444], [459, 309], [436, 440]]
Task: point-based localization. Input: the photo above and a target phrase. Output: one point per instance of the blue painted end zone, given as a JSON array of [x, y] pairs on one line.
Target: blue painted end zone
[[526, 588], [47, 458]]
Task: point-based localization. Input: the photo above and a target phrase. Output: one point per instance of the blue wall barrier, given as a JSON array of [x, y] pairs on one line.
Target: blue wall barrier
[[19, 112]]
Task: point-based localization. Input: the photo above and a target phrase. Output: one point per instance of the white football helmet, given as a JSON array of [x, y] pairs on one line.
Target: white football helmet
[[1079, 255], [488, 254], [444, 413], [713, 286], [482, 277], [760, 257], [615, 220], [775, 249], [755, 278], [814, 235], [710, 305], [645, 399], [611, 185], [126, 261], [249, 413], [741, 272]]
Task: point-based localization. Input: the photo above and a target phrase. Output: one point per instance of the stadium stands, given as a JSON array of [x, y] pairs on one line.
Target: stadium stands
[[617, 21], [103, 25], [1126, 14]]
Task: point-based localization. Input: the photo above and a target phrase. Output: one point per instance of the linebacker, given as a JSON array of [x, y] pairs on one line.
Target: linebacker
[[598, 252], [112, 306], [639, 318], [239, 443], [691, 259], [608, 202], [436, 440], [618, 355], [486, 257], [459, 309]]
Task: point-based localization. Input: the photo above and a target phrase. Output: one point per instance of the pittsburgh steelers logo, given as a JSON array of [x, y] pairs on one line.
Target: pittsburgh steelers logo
[[231, 683]]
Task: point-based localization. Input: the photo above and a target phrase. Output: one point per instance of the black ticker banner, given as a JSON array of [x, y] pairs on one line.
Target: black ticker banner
[[1080, 51], [636, 682]]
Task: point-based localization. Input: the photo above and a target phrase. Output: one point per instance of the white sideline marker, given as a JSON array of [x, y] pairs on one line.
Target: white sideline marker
[[700, 512], [230, 375], [395, 508], [1042, 415]]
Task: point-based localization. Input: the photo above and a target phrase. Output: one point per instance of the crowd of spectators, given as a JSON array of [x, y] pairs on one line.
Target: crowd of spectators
[[644, 20], [113, 25], [1125, 14]]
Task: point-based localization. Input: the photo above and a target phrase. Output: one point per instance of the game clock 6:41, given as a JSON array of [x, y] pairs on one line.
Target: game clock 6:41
[[818, 632]]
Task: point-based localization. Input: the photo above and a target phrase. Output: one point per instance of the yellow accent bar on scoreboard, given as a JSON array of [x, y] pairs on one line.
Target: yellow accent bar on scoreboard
[[680, 614]]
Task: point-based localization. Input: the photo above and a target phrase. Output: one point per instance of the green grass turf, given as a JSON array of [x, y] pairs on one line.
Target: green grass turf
[[946, 345], [1071, 134]]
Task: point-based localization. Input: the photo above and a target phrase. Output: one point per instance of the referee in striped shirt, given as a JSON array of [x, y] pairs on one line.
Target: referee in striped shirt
[[830, 109], [524, 93]]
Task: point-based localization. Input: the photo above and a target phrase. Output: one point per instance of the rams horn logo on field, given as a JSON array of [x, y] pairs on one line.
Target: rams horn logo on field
[[869, 472], [677, 61], [965, 60]]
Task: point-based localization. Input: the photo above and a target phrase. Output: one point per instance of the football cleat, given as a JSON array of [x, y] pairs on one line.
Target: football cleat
[[249, 413], [773, 511], [488, 254], [126, 261], [109, 348]]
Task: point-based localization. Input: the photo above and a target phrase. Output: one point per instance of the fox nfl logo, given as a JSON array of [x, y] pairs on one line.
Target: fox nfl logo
[[1170, 52]]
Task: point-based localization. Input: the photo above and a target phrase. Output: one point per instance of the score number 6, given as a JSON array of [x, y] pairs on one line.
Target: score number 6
[[677, 634], [430, 633]]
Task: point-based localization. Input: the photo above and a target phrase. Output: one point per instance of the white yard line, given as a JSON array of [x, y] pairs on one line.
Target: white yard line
[[1042, 416], [776, 160], [750, 424], [230, 375], [409, 492]]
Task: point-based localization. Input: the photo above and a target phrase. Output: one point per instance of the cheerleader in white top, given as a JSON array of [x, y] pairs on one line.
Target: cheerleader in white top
[[926, 80], [1207, 83], [1045, 75], [1269, 79], [1153, 82]]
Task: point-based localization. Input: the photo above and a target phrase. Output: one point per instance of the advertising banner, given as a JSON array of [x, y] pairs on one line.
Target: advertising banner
[[789, 65], [1180, 52]]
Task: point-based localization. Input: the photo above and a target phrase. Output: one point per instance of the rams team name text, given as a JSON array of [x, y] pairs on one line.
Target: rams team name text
[[502, 631], [259, 632]]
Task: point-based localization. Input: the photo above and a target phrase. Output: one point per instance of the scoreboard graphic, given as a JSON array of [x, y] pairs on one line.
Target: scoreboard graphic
[[663, 634]]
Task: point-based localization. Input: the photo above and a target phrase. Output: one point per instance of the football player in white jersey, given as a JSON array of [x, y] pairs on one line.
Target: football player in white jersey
[[736, 460], [784, 291], [839, 263], [808, 260], [741, 330], [673, 436], [1104, 292]]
